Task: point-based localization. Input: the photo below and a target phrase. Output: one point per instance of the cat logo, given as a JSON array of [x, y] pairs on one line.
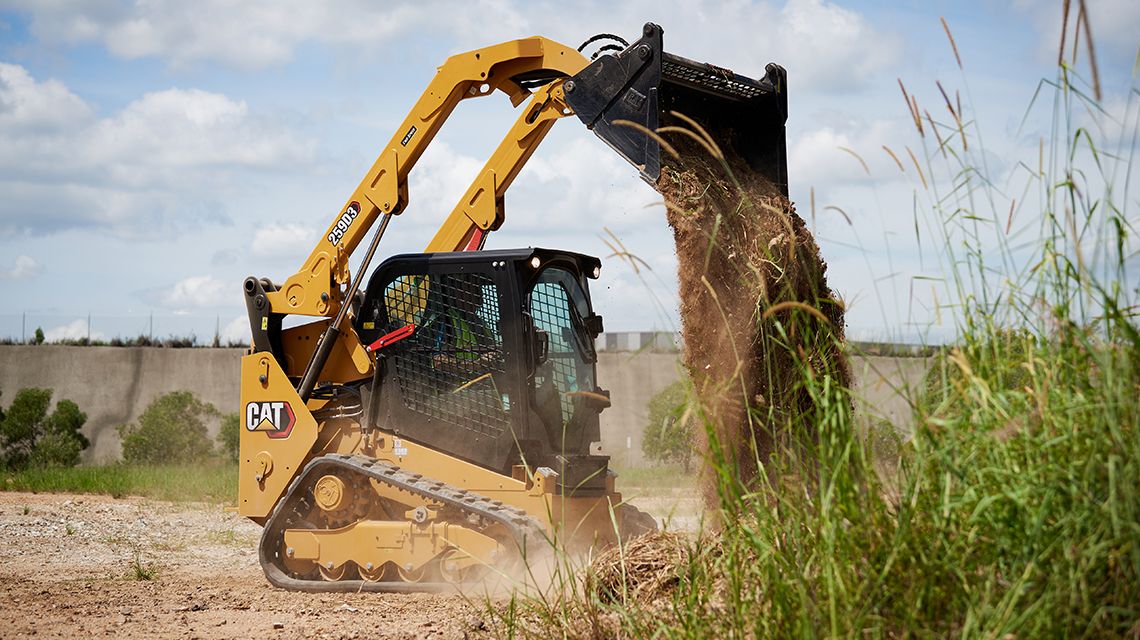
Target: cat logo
[[276, 419]]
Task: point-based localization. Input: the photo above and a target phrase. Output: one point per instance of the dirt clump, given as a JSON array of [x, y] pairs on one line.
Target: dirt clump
[[757, 314], [644, 569]]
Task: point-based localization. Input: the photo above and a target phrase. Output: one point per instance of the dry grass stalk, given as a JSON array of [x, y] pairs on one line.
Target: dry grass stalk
[[895, 158], [1084, 18], [953, 44], [1064, 30], [917, 167], [862, 163]]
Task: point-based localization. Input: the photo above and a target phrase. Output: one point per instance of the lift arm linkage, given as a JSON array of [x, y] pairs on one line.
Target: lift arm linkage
[[480, 210], [315, 289]]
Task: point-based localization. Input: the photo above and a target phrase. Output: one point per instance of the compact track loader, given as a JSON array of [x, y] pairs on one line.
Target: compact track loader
[[435, 424]]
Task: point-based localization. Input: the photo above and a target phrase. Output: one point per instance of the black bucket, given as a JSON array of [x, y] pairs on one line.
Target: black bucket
[[644, 85]]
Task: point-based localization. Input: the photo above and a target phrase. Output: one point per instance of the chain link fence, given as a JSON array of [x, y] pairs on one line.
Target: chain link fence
[[164, 329], [178, 330]]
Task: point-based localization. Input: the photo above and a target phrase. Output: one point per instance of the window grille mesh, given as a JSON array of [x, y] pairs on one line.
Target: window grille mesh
[[550, 309], [449, 369]]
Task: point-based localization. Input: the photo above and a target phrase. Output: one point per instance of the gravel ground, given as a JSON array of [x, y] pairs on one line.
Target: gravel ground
[[71, 565]]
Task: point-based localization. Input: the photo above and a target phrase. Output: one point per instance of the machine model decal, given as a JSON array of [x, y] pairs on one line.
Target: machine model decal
[[398, 448], [344, 222], [408, 136], [276, 419]]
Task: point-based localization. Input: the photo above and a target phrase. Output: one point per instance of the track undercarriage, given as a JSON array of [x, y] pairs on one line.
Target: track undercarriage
[[353, 523]]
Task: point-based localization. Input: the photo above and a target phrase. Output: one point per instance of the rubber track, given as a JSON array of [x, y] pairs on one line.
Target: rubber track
[[528, 534]]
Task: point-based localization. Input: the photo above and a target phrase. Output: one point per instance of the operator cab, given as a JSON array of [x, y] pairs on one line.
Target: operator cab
[[500, 366]]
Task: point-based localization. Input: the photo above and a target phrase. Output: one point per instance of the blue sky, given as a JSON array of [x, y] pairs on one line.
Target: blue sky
[[153, 154]]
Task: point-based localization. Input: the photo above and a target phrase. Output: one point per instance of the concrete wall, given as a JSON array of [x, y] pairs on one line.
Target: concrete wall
[[882, 386], [113, 385], [632, 379]]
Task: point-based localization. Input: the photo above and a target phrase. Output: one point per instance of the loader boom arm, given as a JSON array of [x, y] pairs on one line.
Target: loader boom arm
[[480, 210], [315, 289]]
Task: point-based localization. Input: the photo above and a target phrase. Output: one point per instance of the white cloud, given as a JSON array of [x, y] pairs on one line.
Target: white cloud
[[824, 45], [74, 330], [155, 138], [576, 184], [830, 46], [288, 240], [582, 185], [197, 292], [138, 165], [163, 161], [251, 34], [818, 157], [440, 179], [1115, 124], [29, 105], [23, 268], [236, 330]]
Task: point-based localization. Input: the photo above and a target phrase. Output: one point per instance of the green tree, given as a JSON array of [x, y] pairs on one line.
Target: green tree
[[172, 429], [30, 436], [667, 437], [62, 441], [22, 425], [229, 436], [39, 335]]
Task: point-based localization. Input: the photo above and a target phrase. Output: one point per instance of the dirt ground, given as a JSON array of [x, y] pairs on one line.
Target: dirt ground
[[70, 566], [68, 569]]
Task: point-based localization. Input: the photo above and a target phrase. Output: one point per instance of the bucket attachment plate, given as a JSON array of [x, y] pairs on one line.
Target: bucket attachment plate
[[621, 96]]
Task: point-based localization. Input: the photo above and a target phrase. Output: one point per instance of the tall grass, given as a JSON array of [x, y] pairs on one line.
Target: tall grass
[[668, 476], [178, 483], [1014, 508]]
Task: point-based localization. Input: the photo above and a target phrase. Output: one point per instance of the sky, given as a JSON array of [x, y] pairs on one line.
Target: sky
[[154, 153]]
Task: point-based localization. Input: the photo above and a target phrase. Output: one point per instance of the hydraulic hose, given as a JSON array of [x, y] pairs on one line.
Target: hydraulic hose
[[332, 334]]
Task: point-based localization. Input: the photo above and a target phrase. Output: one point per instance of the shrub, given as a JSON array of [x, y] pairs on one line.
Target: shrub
[[172, 429], [56, 450], [229, 436], [30, 436], [667, 436]]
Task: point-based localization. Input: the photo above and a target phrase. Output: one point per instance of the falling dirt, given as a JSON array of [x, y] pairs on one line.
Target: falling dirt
[[755, 306]]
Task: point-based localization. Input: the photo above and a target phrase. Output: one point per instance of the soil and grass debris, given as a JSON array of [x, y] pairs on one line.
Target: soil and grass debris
[[644, 569], [757, 315]]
